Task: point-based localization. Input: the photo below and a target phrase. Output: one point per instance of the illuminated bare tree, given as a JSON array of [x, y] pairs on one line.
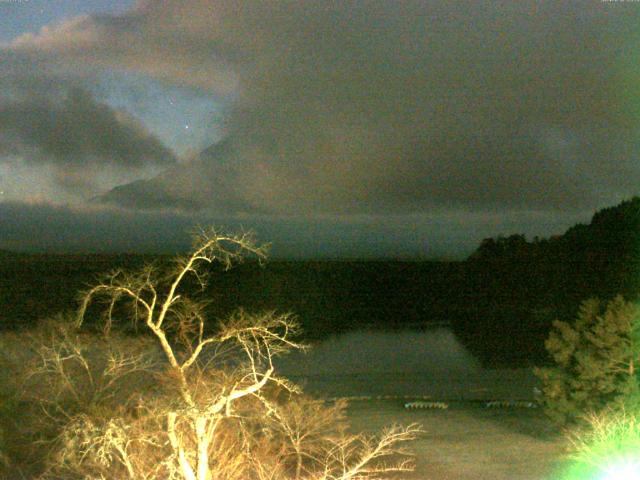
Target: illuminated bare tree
[[218, 410]]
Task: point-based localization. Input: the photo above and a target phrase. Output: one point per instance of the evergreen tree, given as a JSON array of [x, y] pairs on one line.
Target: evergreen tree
[[596, 361]]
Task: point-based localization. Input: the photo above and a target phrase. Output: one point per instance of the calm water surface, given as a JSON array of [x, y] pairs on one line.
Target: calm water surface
[[402, 363]]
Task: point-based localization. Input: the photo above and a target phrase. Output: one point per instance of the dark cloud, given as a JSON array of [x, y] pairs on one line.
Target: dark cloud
[[389, 107], [44, 121]]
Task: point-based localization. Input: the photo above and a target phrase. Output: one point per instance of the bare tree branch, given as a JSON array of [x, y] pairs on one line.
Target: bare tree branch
[[203, 419]]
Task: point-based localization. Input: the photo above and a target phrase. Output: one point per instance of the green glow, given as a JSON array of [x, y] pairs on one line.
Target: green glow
[[608, 449], [619, 469], [624, 470]]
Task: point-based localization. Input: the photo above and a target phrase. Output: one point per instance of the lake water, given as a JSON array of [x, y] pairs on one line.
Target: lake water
[[429, 363]]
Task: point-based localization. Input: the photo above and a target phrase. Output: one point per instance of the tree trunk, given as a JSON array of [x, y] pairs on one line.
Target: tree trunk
[[203, 449]]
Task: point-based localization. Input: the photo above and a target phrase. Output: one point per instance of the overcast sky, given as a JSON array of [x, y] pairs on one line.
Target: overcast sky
[[347, 128]]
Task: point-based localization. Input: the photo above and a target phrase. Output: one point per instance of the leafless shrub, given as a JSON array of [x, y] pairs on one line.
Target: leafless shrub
[[212, 408]]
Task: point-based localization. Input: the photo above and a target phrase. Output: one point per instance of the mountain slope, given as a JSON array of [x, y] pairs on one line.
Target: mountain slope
[[205, 183]]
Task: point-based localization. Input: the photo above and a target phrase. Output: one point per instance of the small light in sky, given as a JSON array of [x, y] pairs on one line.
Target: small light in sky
[[186, 127]]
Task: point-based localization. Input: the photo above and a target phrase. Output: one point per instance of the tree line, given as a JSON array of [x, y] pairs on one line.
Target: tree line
[[516, 288]]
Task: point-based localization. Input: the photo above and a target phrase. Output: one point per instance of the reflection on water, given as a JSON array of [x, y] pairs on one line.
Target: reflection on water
[[435, 350], [402, 363]]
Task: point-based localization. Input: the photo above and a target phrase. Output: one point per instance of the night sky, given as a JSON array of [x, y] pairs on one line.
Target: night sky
[[334, 129]]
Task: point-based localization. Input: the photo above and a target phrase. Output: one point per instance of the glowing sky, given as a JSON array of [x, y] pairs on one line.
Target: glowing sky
[[348, 128]]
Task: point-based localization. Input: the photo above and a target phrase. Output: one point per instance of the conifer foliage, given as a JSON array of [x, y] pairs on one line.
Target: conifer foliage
[[596, 361]]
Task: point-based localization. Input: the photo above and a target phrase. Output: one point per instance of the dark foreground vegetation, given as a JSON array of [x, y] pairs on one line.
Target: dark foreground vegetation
[[500, 302]]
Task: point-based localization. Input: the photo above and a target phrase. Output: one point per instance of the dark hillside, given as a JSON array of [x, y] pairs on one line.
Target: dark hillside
[[330, 297], [516, 287], [327, 297], [35, 286]]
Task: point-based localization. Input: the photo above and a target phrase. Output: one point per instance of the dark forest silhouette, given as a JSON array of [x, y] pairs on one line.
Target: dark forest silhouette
[[515, 288]]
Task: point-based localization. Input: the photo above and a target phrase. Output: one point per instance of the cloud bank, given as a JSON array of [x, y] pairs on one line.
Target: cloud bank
[[73, 129], [387, 110], [44, 227], [56, 124], [377, 106]]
